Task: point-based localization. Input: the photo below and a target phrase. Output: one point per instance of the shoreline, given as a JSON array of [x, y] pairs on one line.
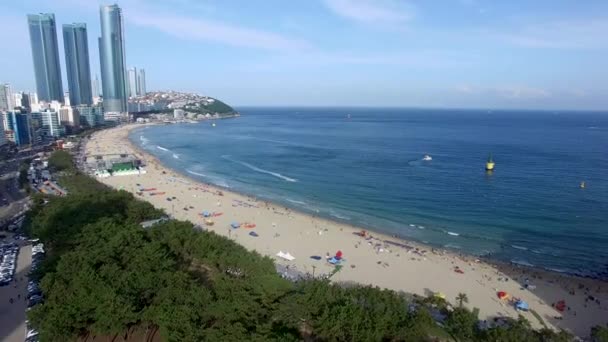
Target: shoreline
[[433, 268]]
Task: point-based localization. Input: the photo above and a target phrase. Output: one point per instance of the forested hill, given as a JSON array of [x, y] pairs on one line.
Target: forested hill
[[106, 276]]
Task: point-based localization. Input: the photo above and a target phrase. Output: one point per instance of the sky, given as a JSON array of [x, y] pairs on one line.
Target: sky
[[542, 54]]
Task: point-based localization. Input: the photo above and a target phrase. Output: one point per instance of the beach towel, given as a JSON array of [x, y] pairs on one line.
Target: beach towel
[[315, 257], [254, 234]]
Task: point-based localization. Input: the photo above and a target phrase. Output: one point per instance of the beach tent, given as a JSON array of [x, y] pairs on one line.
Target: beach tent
[[315, 257], [206, 214], [502, 295], [440, 295], [334, 261], [521, 305], [235, 225], [560, 306], [339, 254], [254, 234]]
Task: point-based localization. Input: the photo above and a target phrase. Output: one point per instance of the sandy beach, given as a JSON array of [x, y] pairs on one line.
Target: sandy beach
[[375, 259]]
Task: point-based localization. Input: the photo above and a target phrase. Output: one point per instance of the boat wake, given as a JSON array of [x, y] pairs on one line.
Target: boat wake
[[257, 169]]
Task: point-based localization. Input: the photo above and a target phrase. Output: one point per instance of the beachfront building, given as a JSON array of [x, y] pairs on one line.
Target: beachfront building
[[36, 129], [76, 47], [90, 116], [22, 100], [112, 59], [178, 114], [51, 124], [45, 53]]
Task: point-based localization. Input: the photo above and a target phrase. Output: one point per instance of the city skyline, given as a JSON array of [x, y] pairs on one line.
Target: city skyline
[[462, 53]]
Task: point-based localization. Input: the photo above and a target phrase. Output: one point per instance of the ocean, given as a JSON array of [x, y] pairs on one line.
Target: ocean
[[365, 167]]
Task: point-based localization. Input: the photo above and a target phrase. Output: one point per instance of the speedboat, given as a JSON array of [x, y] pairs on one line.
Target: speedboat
[[427, 158]]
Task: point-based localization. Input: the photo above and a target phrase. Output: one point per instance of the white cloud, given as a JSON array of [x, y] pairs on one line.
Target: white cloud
[[579, 34], [389, 12], [509, 92], [207, 30]]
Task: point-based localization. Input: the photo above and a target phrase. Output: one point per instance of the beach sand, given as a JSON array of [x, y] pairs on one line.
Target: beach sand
[[411, 267]]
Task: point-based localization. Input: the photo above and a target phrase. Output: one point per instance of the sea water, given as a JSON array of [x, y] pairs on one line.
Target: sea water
[[365, 167]]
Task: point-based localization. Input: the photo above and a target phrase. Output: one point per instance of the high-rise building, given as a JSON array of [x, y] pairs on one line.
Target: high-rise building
[[36, 129], [7, 100], [76, 46], [133, 84], [45, 53], [112, 59], [21, 128], [95, 87], [2, 134], [51, 124], [90, 115], [69, 116], [141, 82]]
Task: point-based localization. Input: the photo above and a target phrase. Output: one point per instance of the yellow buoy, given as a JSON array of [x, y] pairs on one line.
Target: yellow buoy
[[490, 164]]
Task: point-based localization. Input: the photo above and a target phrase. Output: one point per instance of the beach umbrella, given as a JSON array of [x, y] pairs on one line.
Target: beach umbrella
[[206, 214], [254, 234], [235, 225], [440, 295], [502, 295], [339, 254]]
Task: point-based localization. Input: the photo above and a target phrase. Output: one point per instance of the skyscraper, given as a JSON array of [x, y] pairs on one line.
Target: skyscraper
[[112, 59], [76, 46], [6, 97], [141, 82], [95, 87], [45, 53], [133, 84], [21, 127]]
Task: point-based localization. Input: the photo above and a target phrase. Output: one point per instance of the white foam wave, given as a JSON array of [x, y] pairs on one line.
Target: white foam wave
[[420, 227], [162, 148], [257, 169], [412, 225], [143, 139], [294, 201], [558, 270], [521, 262], [449, 245], [336, 215], [519, 247], [195, 173], [176, 156], [453, 234]]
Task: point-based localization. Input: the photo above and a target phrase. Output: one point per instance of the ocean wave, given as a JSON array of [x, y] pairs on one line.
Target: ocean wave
[[453, 234], [452, 246], [176, 156], [162, 148], [257, 169], [420, 227], [519, 247], [558, 270], [195, 173], [521, 262], [338, 216], [143, 139], [294, 201]]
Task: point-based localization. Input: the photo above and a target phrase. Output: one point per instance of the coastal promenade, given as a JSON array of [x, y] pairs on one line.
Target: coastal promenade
[[373, 259]]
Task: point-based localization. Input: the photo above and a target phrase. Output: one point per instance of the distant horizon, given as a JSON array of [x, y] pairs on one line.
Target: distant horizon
[[419, 108], [412, 53]]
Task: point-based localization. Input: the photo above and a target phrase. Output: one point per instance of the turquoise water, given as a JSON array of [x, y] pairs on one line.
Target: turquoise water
[[368, 170]]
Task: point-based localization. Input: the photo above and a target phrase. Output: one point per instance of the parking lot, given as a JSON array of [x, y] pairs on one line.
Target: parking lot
[[17, 293]]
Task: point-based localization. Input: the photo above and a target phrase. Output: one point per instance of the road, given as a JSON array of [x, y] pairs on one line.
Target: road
[[12, 316]]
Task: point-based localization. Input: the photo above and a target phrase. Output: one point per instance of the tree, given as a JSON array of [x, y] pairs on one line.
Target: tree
[[599, 334], [462, 298], [461, 323], [61, 161]]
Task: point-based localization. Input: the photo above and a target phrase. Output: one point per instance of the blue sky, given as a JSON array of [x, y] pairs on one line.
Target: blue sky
[[547, 54]]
